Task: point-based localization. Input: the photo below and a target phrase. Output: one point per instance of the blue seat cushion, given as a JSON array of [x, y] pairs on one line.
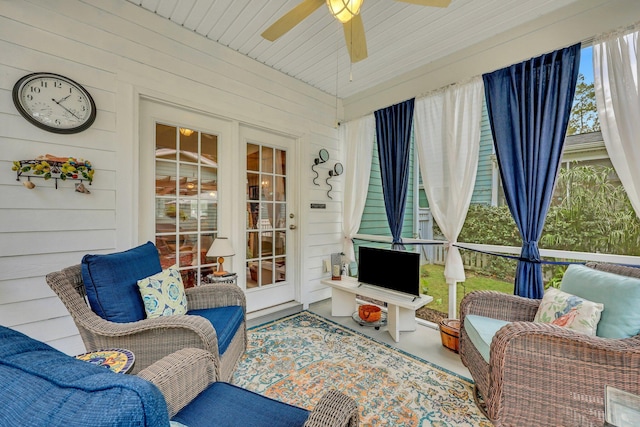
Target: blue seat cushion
[[619, 294], [225, 320], [111, 282], [223, 404], [43, 387], [481, 330]]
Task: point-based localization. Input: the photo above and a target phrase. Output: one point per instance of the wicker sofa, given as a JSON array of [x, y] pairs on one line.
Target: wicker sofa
[[206, 324], [42, 387], [540, 374]]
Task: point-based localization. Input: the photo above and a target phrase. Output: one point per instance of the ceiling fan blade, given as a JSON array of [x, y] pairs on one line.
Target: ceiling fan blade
[[432, 3], [355, 39], [291, 19]]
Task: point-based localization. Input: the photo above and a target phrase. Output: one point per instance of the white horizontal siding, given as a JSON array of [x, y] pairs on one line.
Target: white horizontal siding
[[117, 51]]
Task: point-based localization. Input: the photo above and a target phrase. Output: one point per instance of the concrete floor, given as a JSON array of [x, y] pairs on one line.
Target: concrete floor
[[424, 342]]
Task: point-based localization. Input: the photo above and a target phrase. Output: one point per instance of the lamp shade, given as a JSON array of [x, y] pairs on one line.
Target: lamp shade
[[221, 247], [344, 10]]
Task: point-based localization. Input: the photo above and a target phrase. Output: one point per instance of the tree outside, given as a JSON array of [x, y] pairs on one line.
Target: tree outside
[[584, 113]]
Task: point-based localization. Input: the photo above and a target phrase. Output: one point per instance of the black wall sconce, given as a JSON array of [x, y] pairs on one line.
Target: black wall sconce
[[337, 170], [323, 156]]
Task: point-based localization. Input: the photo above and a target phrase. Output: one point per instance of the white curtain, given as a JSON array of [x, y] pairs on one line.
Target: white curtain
[[447, 129], [615, 65], [357, 136]]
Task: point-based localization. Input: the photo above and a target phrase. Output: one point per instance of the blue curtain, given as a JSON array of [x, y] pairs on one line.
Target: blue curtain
[[529, 106], [393, 132]]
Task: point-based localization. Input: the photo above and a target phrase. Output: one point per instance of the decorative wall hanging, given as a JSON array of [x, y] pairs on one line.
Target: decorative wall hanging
[[323, 156], [54, 103], [337, 170], [52, 167]]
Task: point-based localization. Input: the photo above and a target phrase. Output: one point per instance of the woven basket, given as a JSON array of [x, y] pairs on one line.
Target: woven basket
[[450, 334]]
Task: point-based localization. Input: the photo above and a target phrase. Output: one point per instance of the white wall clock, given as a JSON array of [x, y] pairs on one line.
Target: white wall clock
[[54, 103]]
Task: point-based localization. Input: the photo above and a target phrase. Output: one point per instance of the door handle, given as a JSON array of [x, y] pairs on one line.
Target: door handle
[[292, 227]]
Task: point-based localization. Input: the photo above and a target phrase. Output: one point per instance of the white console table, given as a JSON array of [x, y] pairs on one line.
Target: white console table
[[401, 309]]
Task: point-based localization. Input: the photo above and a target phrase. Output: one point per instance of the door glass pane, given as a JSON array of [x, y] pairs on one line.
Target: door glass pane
[[280, 188], [266, 220], [165, 142], [280, 215], [186, 202], [267, 159], [253, 156], [281, 269], [280, 242], [281, 162], [267, 187]]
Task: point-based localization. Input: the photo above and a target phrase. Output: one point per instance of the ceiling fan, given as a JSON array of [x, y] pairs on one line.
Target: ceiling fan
[[345, 11]]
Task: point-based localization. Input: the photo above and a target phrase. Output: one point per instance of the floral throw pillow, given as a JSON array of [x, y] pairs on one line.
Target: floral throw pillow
[[569, 311], [163, 293]]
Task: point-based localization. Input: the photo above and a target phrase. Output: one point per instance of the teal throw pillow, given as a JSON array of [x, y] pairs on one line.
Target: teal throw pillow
[[163, 293], [620, 296]]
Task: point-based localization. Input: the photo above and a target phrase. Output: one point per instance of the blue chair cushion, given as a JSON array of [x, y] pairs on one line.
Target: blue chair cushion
[[111, 282], [225, 320], [619, 294], [43, 387], [223, 404], [481, 330]]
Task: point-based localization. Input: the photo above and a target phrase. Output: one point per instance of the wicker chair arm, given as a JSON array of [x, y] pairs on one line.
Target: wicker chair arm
[[181, 376], [215, 295], [152, 339], [334, 409], [555, 364], [498, 305]]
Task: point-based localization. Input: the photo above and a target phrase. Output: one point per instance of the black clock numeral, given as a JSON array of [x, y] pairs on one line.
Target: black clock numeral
[[29, 97], [57, 121], [44, 83], [57, 84], [34, 89]]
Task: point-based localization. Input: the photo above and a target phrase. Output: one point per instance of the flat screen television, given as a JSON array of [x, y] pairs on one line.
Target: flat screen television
[[395, 270]]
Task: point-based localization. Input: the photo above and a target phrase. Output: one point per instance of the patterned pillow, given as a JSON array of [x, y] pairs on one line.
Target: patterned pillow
[[569, 311], [163, 293]]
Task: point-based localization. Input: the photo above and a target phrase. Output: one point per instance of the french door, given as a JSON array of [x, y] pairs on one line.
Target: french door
[[180, 205], [203, 177], [270, 224]]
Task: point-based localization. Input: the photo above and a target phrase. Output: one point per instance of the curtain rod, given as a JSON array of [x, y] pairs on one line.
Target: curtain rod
[[584, 42]]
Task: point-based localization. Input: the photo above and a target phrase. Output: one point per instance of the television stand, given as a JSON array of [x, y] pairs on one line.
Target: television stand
[[401, 309]]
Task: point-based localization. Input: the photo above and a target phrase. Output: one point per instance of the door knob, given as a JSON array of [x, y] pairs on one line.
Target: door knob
[[292, 227]]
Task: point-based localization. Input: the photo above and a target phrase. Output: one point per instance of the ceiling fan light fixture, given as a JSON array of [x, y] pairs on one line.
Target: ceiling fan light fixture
[[344, 10]]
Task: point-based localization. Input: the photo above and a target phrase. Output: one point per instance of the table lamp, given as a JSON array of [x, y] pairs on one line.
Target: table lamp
[[220, 249]]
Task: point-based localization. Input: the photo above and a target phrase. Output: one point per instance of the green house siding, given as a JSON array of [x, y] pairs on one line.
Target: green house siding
[[374, 217], [484, 176]]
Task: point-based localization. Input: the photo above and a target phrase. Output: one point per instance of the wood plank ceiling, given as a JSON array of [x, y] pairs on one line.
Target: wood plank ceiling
[[400, 36]]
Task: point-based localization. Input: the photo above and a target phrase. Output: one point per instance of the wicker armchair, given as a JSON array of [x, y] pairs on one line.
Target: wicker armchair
[[153, 339], [541, 374], [184, 375]]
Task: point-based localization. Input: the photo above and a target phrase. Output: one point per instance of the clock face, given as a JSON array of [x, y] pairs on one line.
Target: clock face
[[54, 103]]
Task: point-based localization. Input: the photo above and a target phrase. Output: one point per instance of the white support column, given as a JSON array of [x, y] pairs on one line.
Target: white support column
[[453, 295]]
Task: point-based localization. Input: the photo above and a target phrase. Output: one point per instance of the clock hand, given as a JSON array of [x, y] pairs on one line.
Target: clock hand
[[61, 99], [69, 111]]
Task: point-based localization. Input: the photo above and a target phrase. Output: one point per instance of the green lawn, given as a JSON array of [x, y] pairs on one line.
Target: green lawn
[[432, 283]]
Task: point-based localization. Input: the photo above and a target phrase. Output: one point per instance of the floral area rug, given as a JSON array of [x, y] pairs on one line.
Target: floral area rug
[[298, 358]]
